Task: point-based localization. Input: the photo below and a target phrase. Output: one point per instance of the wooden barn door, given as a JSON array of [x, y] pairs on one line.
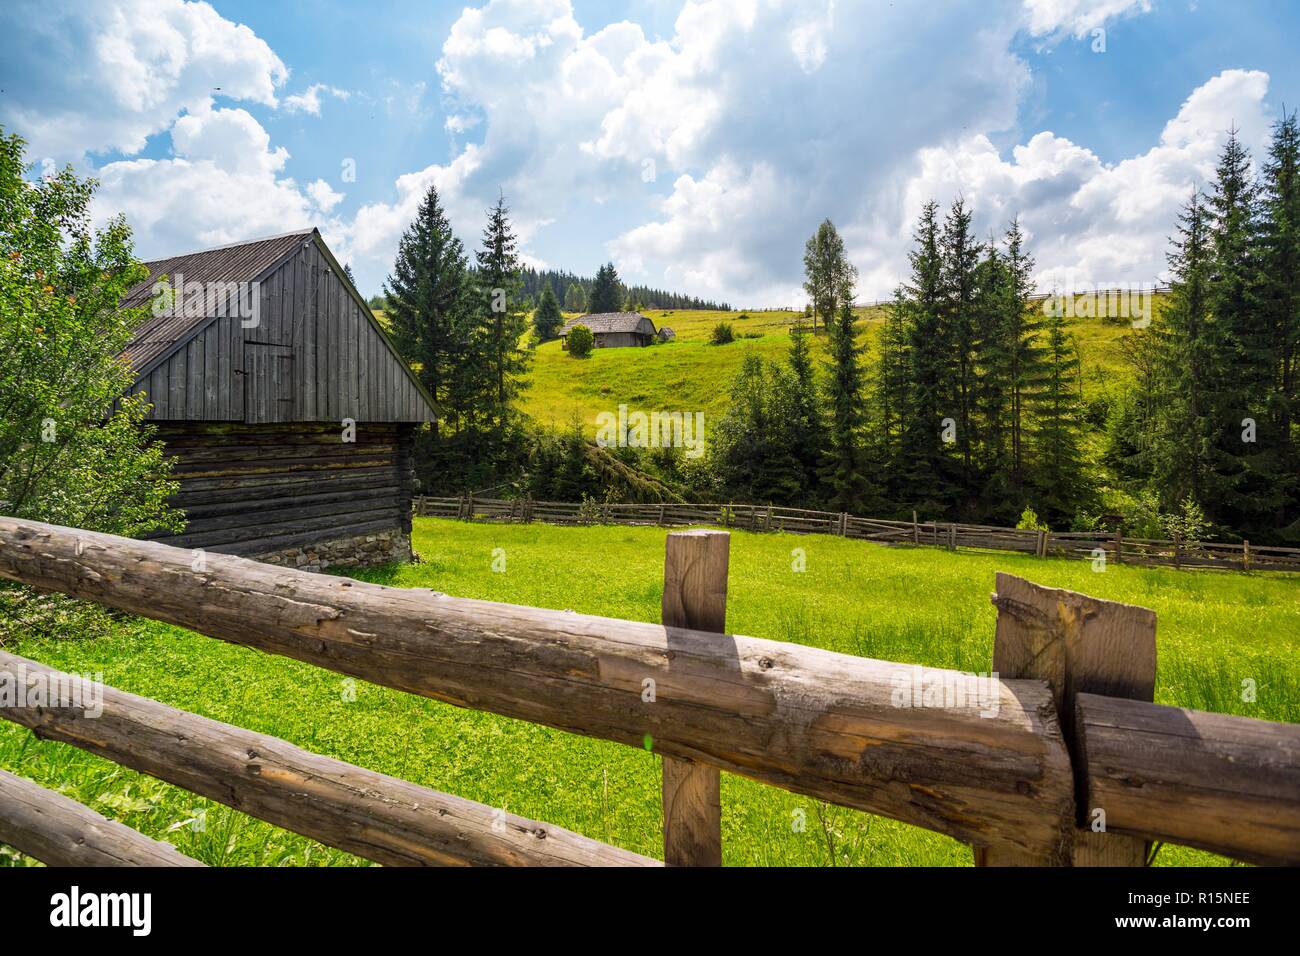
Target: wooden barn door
[[268, 383]]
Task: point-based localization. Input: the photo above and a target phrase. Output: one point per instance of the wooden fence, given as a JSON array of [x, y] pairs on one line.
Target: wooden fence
[[1017, 764], [945, 534]]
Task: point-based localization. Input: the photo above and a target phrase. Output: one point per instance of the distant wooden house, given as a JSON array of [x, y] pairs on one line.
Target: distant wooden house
[[613, 330], [288, 412]]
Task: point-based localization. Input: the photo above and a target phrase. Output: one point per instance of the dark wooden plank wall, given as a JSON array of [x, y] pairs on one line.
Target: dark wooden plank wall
[[254, 489], [341, 367]]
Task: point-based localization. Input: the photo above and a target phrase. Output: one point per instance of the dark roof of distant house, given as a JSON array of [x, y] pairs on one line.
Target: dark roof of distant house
[[609, 322], [237, 262]]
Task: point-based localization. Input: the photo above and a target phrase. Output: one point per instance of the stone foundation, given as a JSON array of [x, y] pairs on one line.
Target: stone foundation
[[361, 551]]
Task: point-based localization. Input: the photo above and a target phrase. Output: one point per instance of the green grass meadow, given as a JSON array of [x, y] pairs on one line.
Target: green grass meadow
[[927, 606]]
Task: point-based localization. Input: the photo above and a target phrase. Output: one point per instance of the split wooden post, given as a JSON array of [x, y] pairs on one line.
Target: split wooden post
[[1119, 546], [695, 596], [1079, 645], [952, 536], [916, 529], [1245, 555]]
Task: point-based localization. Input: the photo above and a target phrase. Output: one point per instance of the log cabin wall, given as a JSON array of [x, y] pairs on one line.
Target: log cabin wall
[[294, 494]]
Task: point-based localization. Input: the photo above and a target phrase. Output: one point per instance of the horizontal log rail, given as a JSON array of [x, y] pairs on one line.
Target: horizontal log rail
[[58, 831], [372, 815], [1000, 771], [1227, 784], [800, 718], [752, 517]]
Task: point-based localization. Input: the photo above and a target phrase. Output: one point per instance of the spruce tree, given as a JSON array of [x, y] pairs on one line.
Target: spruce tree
[[926, 473], [892, 391], [1278, 298], [1058, 472], [1231, 376], [1180, 430], [429, 309], [547, 320], [845, 473], [808, 437], [959, 317], [500, 296], [606, 291], [1009, 369]]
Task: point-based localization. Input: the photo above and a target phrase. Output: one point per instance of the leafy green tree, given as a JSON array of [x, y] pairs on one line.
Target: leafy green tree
[[73, 450], [751, 449], [547, 320], [606, 291], [581, 341], [575, 298], [829, 276]]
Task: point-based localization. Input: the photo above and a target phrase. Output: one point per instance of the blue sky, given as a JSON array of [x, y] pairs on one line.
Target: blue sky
[[695, 144]]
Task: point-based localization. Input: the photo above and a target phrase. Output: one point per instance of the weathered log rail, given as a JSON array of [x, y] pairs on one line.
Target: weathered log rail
[[993, 769], [1088, 545]]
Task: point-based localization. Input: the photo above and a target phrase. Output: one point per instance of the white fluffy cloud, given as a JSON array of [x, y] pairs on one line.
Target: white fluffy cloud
[[309, 100], [1078, 17], [223, 161], [1089, 222], [105, 76], [763, 116], [703, 159]]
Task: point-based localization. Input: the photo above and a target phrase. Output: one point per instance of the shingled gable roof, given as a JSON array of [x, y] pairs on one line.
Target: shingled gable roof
[[161, 335], [237, 262], [609, 322]]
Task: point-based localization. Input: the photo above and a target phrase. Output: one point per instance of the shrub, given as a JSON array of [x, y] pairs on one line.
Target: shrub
[[722, 334], [581, 341], [1029, 521]]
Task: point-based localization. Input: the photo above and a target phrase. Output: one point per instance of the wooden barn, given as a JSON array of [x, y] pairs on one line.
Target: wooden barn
[[289, 413], [613, 330]]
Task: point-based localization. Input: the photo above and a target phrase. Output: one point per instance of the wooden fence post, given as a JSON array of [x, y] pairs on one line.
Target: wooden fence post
[[952, 536], [469, 508], [695, 596], [844, 523], [1119, 546], [916, 529], [1079, 645], [1245, 555]]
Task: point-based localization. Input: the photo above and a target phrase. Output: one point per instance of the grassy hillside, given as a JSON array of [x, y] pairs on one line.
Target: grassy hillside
[[689, 374], [924, 606]]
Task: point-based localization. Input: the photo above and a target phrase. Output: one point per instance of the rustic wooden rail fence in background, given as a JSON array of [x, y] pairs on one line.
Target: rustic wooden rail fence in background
[[945, 534], [1015, 771]]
